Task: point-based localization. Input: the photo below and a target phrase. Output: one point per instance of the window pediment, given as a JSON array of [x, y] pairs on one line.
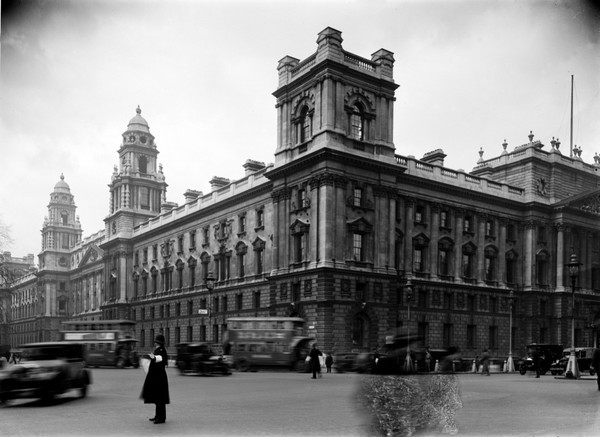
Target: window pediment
[[360, 226], [299, 227]]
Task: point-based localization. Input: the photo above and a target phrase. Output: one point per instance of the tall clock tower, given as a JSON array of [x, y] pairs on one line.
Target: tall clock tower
[[60, 233], [137, 191]]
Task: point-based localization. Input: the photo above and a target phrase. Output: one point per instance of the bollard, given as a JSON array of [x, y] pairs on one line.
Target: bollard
[[504, 368], [437, 366], [474, 367]]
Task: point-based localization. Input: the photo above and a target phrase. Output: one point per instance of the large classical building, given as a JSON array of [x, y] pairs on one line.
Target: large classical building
[[362, 242]]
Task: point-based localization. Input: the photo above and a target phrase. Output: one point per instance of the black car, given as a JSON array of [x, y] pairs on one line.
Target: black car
[[547, 354], [200, 358], [584, 361], [46, 370]]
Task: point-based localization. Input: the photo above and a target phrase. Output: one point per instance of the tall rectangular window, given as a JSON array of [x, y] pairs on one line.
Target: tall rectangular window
[[471, 332], [260, 218], [192, 239], [357, 247], [447, 334], [144, 198], [444, 219], [257, 299], [357, 197], [493, 337], [418, 260], [239, 301]]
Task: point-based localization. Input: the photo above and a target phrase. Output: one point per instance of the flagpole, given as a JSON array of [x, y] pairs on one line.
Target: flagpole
[[571, 138]]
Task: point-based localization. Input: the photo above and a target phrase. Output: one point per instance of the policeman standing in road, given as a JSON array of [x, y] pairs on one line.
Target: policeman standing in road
[[315, 363], [156, 384]]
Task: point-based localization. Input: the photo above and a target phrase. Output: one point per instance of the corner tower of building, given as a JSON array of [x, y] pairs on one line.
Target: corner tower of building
[[61, 230], [137, 188], [335, 99]]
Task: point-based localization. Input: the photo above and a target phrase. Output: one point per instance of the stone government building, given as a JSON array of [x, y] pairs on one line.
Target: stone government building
[[340, 230]]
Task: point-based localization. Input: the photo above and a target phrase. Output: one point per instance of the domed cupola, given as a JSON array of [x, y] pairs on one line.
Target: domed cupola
[[61, 186], [138, 131]]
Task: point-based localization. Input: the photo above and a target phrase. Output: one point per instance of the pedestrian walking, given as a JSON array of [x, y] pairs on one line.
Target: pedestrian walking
[[595, 364], [485, 363], [156, 384], [328, 362], [315, 363], [537, 361], [428, 359]]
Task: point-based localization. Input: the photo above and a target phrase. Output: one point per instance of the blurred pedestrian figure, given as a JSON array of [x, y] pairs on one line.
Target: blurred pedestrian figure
[[536, 359], [328, 362], [315, 363], [13, 358], [595, 364], [477, 364], [428, 359], [485, 363], [156, 385]]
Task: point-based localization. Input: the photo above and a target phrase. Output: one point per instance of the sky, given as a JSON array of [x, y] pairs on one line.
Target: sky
[[471, 74]]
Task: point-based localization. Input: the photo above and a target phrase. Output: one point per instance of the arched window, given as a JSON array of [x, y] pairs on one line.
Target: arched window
[[469, 252], [541, 262], [445, 248], [143, 164], [357, 122], [490, 260], [360, 331], [305, 124]]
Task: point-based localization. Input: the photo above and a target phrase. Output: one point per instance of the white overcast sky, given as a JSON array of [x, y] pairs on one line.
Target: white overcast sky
[[471, 74]]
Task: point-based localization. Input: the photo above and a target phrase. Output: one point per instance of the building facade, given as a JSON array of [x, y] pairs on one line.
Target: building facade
[[361, 241]]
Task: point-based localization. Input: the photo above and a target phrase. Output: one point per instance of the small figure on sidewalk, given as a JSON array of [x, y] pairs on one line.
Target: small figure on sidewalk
[[328, 362], [485, 363], [428, 359], [595, 364]]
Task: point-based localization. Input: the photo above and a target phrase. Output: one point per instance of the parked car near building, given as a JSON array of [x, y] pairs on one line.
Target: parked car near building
[[548, 354], [201, 359], [584, 360], [46, 370]]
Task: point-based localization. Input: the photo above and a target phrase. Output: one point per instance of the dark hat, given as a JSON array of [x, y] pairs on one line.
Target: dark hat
[[160, 339]]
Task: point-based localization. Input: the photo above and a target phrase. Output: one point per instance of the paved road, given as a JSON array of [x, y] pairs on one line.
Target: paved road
[[291, 404]]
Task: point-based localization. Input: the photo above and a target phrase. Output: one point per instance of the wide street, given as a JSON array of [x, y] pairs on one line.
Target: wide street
[[281, 403]]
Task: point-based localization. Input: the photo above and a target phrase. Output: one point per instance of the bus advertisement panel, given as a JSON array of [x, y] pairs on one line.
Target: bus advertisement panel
[[267, 341], [107, 342]]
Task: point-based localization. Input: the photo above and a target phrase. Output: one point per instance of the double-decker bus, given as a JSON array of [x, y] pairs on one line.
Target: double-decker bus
[[266, 341], [107, 342]]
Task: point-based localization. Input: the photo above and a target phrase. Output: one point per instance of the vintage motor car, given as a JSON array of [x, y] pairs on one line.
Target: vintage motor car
[[548, 353], [200, 358], [46, 370], [584, 360]]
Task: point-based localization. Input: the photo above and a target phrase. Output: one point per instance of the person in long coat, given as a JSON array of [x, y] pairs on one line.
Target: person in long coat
[[315, 363], [156, 384]]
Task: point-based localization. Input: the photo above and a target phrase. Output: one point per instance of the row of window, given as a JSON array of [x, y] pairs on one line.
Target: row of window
[[146, 337], [219, 304], [221, 231]]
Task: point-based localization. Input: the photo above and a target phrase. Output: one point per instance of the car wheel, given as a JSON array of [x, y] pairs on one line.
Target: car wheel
[[553, 372], [592, 372], [522, 370], [243, 365], [83, 391], [4, 399], [120, 363]]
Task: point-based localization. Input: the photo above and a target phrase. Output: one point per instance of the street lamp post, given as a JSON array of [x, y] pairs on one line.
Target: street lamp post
[[408, 365], [209, 281], [510, 365], [572, 366]]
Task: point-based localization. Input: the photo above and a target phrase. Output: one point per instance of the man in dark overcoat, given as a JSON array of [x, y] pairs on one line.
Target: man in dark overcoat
[[315, 363], [156, 384]]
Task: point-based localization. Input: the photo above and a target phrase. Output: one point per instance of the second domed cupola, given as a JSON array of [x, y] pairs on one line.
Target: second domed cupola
[[138, 131]]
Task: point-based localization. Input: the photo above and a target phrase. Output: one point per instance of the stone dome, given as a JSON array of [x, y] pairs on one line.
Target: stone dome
[[138, 123], [61, 186]]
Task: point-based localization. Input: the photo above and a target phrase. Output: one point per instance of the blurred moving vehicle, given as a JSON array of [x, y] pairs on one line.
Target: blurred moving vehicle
[[393, 356], [200, 358], [46, 370], [548, 354], [584, 360], [344, 361]]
